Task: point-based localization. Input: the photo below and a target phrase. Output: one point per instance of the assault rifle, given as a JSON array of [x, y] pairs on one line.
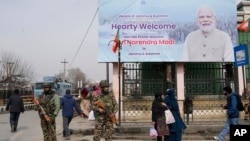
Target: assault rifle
[[43, 112], [100, 104]]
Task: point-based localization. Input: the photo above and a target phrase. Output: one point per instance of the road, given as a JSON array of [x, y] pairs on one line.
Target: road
[[29, 129]]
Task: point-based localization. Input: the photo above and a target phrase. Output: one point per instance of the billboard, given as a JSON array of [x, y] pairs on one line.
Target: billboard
[[168, 30]]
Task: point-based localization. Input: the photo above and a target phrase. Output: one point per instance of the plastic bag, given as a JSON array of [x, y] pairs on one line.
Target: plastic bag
[[152, 132], [91, 115], [169, 117]]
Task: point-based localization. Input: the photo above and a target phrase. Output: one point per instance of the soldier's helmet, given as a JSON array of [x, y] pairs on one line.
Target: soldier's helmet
[[104, 83], [46, 85]]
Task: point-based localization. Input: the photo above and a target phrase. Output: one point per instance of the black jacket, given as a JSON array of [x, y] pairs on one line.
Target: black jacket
[[15, 104], [157, 109]]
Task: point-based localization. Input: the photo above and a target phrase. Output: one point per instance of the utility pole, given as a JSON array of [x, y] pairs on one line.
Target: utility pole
[[8, 85], [64, 68], [9, 67]]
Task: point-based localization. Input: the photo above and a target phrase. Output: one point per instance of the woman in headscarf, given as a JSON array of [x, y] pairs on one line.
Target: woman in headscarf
[[85, 102], [176, 127], [158, 117]]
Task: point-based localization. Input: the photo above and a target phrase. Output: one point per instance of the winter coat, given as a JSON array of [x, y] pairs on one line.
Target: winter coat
[[157, 109], [15, 104], [172, 104], [68, 103], [231, 106], [50, 102]]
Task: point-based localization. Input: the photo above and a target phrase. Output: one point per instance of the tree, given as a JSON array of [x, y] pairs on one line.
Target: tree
[[75, 75], [14, 72], [60, 75]]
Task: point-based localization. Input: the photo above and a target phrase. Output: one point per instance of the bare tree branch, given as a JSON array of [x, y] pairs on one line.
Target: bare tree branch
[[15, 71]]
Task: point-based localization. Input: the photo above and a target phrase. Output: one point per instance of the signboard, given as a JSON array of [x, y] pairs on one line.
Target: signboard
[[241, 55], [168, 30]]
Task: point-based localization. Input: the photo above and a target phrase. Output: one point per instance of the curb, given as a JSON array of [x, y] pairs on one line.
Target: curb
[[26, 107]]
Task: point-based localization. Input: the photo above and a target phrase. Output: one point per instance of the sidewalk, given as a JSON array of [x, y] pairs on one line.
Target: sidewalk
[[83, 129], [140, 130]]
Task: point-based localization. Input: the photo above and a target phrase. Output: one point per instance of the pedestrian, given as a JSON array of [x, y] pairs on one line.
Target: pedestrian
[[15, 106], [232, 113], [50, 102], [105, 116], [68, 104], [177, 127], [158, 117], [85, 101], [96, 90]]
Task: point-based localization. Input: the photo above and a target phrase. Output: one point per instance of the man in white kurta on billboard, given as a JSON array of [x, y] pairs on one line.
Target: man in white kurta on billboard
[[207, 44]]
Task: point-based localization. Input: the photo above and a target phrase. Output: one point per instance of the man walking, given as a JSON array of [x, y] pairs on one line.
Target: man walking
[[68, 103], [15, 105], [232, 113]]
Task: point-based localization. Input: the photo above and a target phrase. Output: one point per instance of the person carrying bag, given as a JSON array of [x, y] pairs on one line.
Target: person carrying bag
[[158, 117], [177, 127]]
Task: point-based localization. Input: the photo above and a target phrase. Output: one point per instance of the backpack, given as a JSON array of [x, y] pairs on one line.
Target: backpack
[[240, 106]]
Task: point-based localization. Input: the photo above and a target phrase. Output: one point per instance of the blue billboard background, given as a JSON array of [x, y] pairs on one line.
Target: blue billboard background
[[155, 30]]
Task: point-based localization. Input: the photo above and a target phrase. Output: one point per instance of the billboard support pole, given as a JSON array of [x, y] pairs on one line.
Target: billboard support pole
[[119, 81]]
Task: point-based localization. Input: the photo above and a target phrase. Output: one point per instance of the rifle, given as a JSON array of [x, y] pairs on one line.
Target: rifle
[[100, 104], [43, 112]]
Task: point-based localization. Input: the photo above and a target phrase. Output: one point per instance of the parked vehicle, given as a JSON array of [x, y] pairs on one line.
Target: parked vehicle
[[57, 85]]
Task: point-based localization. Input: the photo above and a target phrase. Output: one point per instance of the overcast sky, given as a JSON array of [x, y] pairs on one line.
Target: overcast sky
[[45, 32]]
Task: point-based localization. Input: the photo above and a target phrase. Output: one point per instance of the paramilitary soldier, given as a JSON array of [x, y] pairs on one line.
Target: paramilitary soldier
[[50, 101], [104, 116]]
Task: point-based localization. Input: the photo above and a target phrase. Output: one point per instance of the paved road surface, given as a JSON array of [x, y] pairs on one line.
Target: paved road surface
[[29, 128]]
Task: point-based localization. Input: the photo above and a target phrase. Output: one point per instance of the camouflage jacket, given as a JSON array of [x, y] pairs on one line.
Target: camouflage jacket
[[50, 102], [109, 102]]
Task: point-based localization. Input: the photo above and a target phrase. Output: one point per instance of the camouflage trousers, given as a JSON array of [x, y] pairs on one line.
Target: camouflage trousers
[[103, 124], [48, 133]]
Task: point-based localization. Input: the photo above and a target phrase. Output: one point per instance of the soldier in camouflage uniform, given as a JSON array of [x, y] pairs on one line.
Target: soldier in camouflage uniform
[[102, 118], [50, 101]]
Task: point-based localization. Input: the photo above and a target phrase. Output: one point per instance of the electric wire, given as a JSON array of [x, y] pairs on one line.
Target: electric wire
[[91, 23]]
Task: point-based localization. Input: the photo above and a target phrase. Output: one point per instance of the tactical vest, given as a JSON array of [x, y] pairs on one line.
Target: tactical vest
[[108, 101], [47, 103]]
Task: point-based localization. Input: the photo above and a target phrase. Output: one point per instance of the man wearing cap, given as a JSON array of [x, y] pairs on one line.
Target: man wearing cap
[[68, 104], [50, 101], [103, 116]]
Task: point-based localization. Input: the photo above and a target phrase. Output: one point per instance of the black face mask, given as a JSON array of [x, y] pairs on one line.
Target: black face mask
[[105, 92], [48, 92]]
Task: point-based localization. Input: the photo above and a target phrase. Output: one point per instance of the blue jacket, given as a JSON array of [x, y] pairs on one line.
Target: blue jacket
[[68, 103], [231, 106]]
